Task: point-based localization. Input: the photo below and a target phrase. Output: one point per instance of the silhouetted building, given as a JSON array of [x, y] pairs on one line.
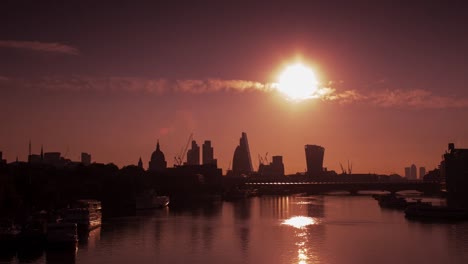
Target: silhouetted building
[[208, 153], [140, 164], [274, 169], [2, 161], [314, 159], [242, 163], [52, 158], [422, 172], [193, 154], [85, 159], [455, 170], [157, 162], [408, 173], [34, 158], [414, 173]]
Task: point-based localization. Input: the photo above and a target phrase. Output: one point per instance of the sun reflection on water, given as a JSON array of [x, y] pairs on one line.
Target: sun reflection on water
[[300, 221]]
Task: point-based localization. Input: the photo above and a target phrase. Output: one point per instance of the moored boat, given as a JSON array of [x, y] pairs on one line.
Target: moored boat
[[85, 213], [150, 200], [433, 212], [62, 234], [9, 231]]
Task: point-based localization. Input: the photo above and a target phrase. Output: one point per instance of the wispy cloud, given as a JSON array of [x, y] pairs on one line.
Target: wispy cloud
[[40, 46], [144, 85], [401, 98], [409, 98]]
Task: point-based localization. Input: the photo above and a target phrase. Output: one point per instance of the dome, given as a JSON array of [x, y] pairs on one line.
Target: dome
[[157, 154], [158, 161]]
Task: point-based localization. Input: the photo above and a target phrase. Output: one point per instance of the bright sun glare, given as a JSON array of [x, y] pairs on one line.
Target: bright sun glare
[[298, 82], [299, 221]]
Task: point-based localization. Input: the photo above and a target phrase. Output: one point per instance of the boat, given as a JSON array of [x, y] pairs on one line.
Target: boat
[[392, 201], [397, 202], [9, 231], [150, 200], [85, 213], [433, 212], [33, 232], [62, 234]]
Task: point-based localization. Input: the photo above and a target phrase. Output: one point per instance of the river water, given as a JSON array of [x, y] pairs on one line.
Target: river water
[[268, 229]]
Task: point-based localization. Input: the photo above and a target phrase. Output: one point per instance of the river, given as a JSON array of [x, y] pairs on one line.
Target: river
[[268, 229]]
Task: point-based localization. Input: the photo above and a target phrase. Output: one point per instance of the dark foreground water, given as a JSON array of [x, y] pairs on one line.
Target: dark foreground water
[[269, 229]]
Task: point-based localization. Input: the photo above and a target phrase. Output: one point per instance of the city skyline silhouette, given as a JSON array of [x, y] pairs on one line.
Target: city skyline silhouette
[[111, 80]]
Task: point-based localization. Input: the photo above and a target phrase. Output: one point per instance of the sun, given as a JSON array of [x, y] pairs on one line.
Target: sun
[[297, 82]]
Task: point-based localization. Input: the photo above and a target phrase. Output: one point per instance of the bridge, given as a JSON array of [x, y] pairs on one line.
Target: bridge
[[316, 187]]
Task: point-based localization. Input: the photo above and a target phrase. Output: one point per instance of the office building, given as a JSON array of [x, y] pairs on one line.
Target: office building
[[208, 153], [193, 154], [241, 162], [314, 159], [85, 159], [422, 172]]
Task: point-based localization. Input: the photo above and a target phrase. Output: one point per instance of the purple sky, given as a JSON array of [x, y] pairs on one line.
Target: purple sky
[[112, 79]]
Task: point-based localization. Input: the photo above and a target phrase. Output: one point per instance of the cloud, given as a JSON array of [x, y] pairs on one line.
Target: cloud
[[417, 98], [40, 46], [401, 98], [144, 85], [411, 98]]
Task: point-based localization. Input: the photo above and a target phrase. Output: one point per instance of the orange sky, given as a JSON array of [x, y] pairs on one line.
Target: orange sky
[[129, 74]]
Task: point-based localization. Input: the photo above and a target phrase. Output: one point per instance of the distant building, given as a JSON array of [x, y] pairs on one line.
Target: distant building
[[455, 170], [274, 169], [241, 162], [85, 159], [193, 154], [408, 173], [414, 173], [158, 161], [34, 158], [208, 153], [314, 159], [140, 164], [2, 161], [422, 172]]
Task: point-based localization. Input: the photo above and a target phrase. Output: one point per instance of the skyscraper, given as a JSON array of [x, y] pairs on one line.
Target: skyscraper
[[422, 172], [414, 173], [208, 153], [314, 159], [242, 163], [193, 154], [407, 173]]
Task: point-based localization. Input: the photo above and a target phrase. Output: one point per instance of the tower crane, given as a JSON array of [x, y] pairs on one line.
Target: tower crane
[[180, 157]]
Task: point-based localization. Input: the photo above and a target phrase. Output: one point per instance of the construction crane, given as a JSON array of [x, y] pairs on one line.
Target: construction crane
[[343, 171], [180, 157], [350, 168]]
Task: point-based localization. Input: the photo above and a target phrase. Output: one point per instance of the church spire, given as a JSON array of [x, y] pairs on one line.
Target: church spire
[[140, 163], [157, 146], [42, 152]]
